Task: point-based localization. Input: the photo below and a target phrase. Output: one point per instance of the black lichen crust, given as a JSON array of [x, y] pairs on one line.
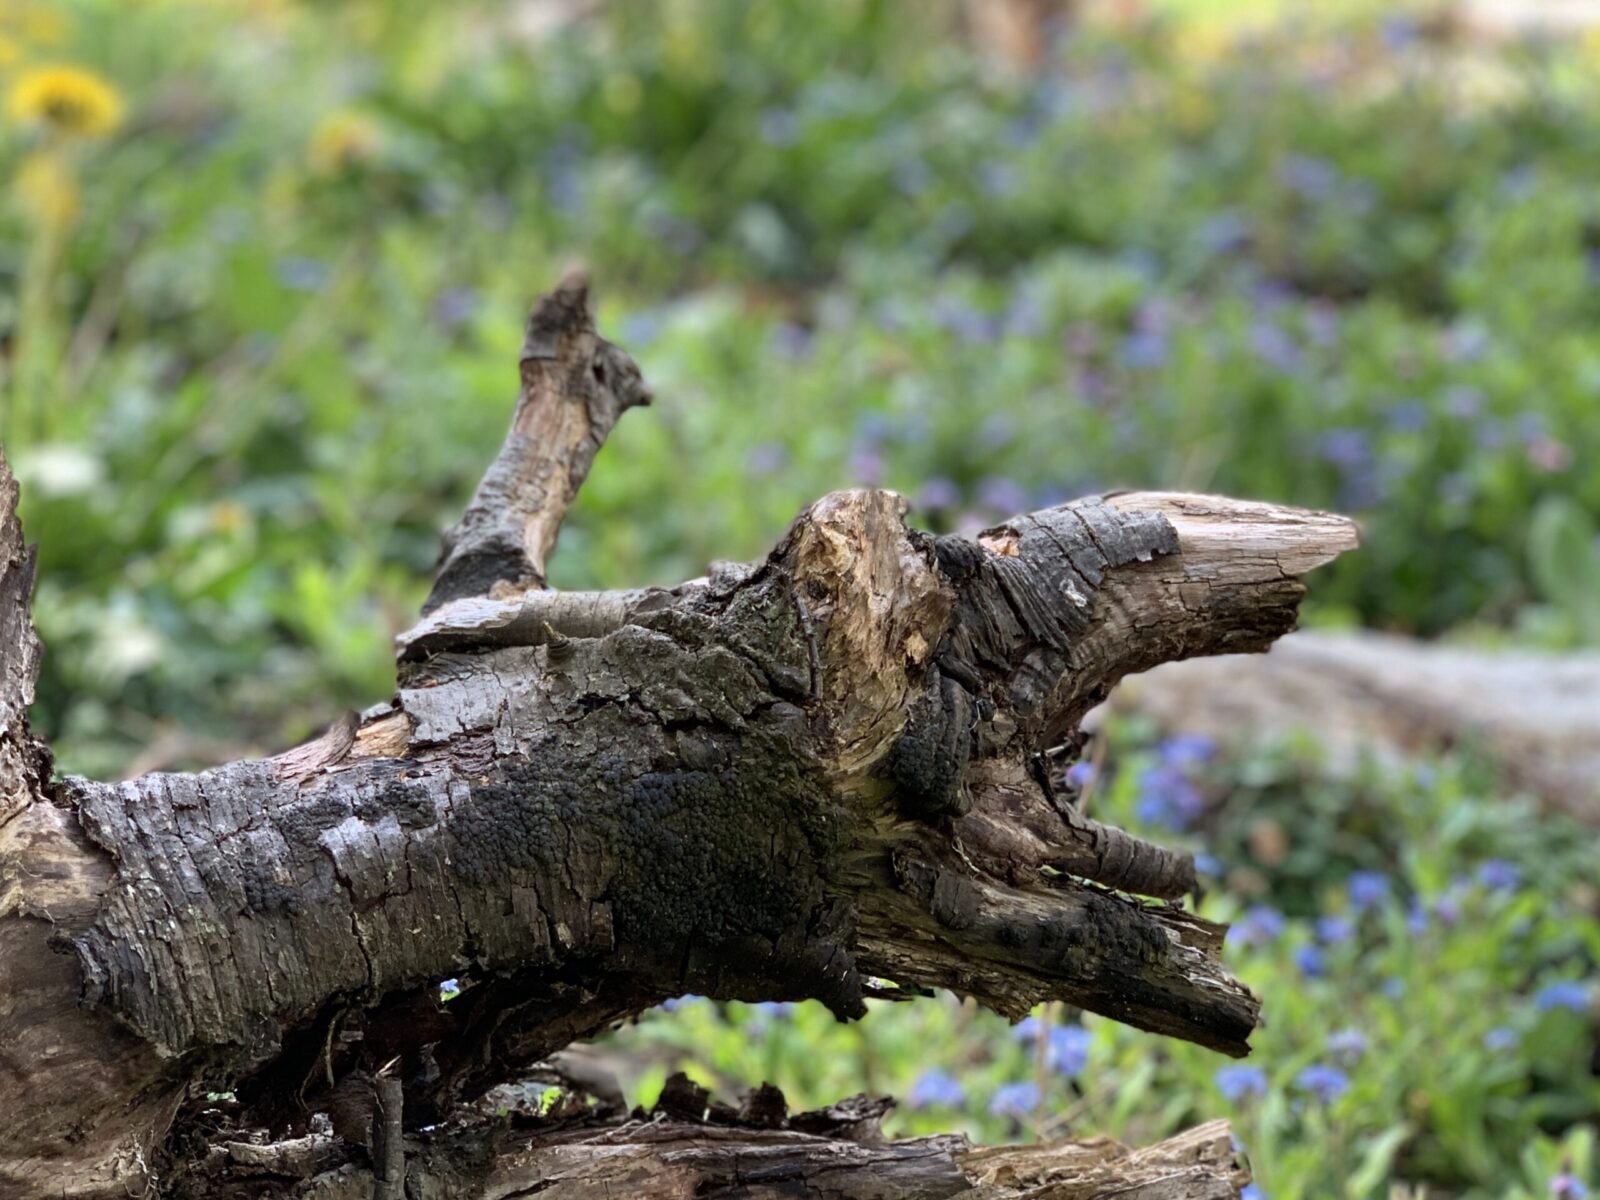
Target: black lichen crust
[[928, 762], [737, 844]]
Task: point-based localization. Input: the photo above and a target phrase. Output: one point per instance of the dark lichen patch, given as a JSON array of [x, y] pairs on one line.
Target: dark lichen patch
[[411, 804], [735, 845], [928, 762], [1125, 925]]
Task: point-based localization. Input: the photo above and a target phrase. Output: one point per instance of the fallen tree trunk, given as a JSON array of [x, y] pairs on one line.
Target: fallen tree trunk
[[815, 776], [1537, 716]]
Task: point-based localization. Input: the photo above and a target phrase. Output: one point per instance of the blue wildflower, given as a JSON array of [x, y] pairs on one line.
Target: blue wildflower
[[681, 1002], [1347, 1044], [1143, 350], [1080, 774], [1002, 495], [1409, 416], [1417, 917], [303, 274], [641, 328], [766, 458], [1239, 1082], [966, 322], [1399, 33], [866, 467], [1209, 864], [939, 493], [779, 127], [455, 306], [1025, 317], [936, 1089], [1502, 1039], [1326, 1083], [1017, 1100], [1225, 233], [1309, 959], [1252, 1191], [1027, 1029], [912, 176], [1187, 749], [998, 178], [1348, 448], [1335, 929], [1498, 875], [997, 431], [1069, 1049], [1368, 890], [1394, 987], [1167, 797], [1571, 994], [791, 340], [1312, 177], [1260, 924], [1566, 1186], [1273, 346]]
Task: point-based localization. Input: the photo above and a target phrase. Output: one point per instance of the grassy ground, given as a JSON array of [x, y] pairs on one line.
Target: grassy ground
[[262, 272]]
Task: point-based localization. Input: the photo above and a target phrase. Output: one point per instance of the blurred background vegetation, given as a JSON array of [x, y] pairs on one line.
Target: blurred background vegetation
[[263, 266]]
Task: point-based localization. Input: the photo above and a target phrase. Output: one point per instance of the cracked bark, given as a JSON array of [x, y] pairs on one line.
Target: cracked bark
[[797, 778]]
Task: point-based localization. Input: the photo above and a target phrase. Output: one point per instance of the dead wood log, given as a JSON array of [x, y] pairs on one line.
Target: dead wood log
[[814, 776]]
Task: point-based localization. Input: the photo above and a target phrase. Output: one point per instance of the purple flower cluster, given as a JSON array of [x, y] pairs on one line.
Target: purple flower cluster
[[1067, 1046], [1570, 994], [1168, 796], [1015, 1100], [1260, 925], [1325, 1083], [1240, 1082], [936, 1089]]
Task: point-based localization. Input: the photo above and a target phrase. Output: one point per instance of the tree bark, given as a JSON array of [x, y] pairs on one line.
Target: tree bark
[[814, 776]]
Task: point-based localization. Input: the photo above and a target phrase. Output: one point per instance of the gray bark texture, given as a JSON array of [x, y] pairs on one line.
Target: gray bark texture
[[813, 776]]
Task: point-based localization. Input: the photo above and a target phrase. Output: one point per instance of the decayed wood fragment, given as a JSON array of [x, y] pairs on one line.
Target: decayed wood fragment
[[693, 1147], [813, 776]]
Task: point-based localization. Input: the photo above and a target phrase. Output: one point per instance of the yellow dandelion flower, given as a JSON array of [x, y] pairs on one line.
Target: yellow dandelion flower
[[47, 191], [342, 139], [66, 100]]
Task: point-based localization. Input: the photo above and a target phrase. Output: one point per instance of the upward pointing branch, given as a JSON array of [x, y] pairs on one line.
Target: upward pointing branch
[[23, 760], [575, 386]]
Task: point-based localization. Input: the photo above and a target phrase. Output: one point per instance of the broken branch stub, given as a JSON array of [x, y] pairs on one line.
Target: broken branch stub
[[775, 783], [575, 385]]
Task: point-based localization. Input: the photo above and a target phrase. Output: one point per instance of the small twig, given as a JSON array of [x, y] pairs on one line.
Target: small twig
[[388, 1149]]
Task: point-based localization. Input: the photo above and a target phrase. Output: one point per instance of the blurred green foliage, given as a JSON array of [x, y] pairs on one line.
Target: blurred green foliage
[[259, 314]]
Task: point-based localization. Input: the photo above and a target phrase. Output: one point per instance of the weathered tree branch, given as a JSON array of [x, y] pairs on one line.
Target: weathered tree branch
[[774, 783], [575, 385]]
